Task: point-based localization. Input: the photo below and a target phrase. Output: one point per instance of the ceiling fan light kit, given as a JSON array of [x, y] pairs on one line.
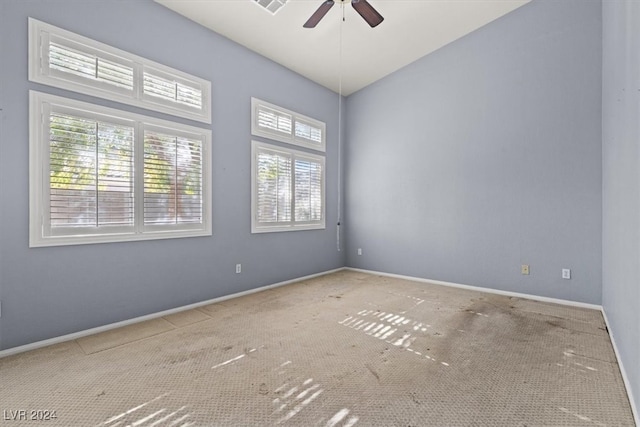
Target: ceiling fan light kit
[[363, 8]]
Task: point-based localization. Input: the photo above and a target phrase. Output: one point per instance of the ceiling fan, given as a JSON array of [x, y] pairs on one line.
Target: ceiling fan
[[363, 7]]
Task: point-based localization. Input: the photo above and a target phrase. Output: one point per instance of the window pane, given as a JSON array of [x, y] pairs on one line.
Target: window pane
[[115, 175], [172, 179], [274, 188], [171, 90], [306, 131], [308, 197], [90, 172], [189, 181]]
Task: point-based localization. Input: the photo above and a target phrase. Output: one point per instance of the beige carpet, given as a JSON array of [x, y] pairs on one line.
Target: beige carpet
[[125, 335], [341, 350]]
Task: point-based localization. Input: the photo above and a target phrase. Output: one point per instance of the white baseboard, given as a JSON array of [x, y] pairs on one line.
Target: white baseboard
[[600, 308], [80, 334], [481, 289], [625, 378]]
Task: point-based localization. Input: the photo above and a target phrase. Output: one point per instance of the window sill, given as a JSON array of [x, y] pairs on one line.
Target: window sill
[[38, 242]]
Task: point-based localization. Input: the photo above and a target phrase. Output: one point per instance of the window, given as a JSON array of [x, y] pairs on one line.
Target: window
[[271, 121], [69, 61], [287, 186], [104, 175], [287, 189]]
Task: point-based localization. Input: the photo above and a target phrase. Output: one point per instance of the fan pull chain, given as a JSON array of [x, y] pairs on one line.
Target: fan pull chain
[[340, 132]]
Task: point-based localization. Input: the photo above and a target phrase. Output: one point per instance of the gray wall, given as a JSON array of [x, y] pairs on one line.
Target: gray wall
[[621, 180], [486, 155], [48, 292]]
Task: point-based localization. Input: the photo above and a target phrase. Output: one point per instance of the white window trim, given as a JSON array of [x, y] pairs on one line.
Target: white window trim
[[257, 227], [39, 34], [279, 136], [39, 103]]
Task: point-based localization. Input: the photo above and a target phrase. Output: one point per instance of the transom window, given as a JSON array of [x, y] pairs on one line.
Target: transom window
[[277, 123], [70, 61]]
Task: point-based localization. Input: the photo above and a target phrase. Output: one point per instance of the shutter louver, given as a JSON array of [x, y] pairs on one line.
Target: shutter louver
[[172, 179], [90, 173]]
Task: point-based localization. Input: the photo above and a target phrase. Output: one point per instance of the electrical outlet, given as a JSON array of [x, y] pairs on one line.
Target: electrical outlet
[[359, 251], [238, 268], [566, 273], [525, 269]]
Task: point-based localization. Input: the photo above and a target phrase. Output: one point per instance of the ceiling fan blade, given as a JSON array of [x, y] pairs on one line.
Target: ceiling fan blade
[[319, 14], [367, 11]]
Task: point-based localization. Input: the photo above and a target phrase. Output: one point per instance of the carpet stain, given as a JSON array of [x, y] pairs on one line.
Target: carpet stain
[[373, 372]]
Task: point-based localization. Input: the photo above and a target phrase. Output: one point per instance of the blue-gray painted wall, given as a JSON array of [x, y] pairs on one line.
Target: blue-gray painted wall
[[621, 180], [48, 292], [486, 155], [480, 157]]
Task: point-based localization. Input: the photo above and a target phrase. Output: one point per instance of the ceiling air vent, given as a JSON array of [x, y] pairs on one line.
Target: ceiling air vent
[[271, 5]]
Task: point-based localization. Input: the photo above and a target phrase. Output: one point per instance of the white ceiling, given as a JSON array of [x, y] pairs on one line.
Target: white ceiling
[[411, 29]]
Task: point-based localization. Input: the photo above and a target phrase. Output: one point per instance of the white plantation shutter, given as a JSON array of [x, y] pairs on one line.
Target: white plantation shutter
[[69, 61], [90, 174], [309, 132], [308, 196], [103, 175], [287, 189], [273, 122], [274, 187], [172, 179], [171, 89], [89, 65]]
